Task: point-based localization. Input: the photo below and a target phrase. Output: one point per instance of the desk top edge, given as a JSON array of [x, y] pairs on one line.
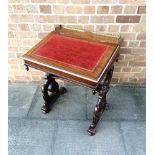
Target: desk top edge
[[88, 35]]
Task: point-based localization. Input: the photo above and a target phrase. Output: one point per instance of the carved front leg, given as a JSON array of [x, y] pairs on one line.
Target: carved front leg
[[51, 92], [101, 104]]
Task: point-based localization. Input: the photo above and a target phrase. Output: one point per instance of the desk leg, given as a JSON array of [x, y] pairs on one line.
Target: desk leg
[[51, 92], [101, 104]]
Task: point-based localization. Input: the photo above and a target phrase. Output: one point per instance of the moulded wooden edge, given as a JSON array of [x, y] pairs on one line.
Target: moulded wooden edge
[[102, 38], [63, 75]]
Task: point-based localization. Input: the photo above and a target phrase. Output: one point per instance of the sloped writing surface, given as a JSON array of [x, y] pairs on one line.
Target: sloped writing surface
[[72, 52]]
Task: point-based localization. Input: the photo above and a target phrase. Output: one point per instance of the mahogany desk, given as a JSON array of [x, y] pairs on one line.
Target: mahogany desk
[[80, 57]]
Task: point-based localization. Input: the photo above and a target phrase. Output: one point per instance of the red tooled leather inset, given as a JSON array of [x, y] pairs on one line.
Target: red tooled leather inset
[[72, 52]]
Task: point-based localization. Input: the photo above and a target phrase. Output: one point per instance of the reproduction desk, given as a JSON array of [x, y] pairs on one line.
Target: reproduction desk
[[80, 57]]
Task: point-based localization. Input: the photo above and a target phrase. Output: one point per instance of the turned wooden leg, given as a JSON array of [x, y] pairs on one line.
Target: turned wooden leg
[[51, 92], [101, 104]]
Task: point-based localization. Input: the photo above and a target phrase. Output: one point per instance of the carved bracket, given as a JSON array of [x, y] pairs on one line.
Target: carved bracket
[[50, 92], [101, 104]]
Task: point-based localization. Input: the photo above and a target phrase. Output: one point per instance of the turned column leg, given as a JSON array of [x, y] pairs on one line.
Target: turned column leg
[[101, 104], [50, 92]]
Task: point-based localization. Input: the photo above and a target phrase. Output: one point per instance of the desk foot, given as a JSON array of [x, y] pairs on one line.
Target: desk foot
[[99, 109], [101, 104], [91, 130], [51, 92]]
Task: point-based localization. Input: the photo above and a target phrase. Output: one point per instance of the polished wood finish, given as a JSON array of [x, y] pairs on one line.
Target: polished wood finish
[[98, 80], [50, 91], [101, 104], [90, 78]]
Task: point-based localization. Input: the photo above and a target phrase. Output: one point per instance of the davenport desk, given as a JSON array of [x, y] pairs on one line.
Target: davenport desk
[[80, 57]]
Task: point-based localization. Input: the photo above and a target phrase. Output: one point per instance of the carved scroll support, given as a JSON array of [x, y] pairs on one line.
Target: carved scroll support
[[50, 92], [101, 104]]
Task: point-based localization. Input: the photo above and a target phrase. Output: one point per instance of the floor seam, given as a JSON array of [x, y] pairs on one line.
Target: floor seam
[[39, 118], [33, 100], [122, 137], [54, 138]]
